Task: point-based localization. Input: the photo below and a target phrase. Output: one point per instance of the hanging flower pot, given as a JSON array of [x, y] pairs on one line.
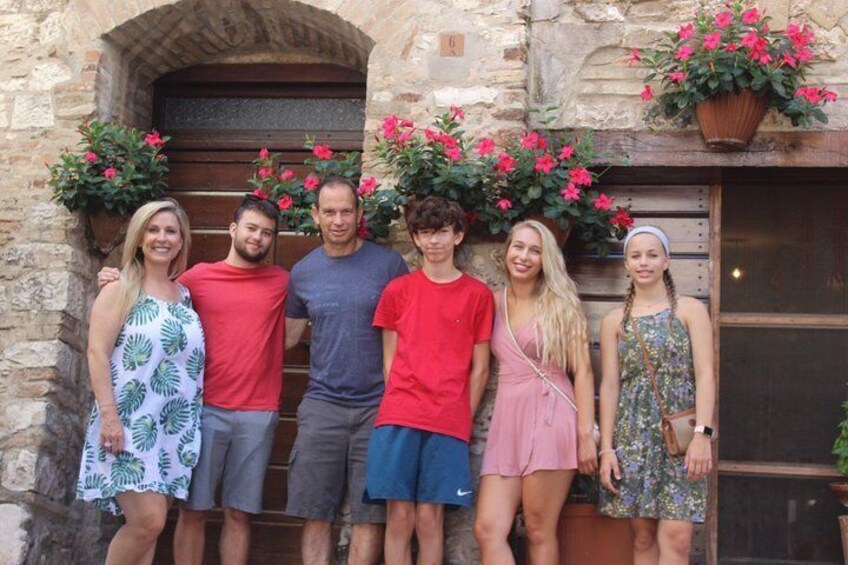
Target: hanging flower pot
[[560, 234], [107, 230], [729, 121]]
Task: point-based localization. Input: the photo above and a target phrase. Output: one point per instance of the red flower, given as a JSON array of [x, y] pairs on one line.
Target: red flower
[[322, 152], [686, 31], [504, 204], [259, 193], [311, 182], [805, 55], [723, 19], [453, 153], [263, 153], [622, 218], [506, 163], [788, 59], [152, 139], [432, 136], [110, 173], [647, 93], [602, 202], [545, 164], [406, 124], [533, 141], [750, 16], [635, 57], [390, 126], [764, 59], [266, 172], [565, 153], [90, 157], [404, 137], [367, 185], [683, 53], [485, 147], [571, 192], [799, 36], [580, 176], [751, 40], [828, 95], [731, 47], [362, 232], [471, 217], [677, 77], [456, 113], [288, 174], [285, 202], [712, 41]]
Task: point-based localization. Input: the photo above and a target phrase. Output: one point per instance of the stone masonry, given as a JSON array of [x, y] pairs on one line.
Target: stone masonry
[[67, 60]]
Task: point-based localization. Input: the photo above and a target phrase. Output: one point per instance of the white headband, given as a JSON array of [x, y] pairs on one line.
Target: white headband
[[653, 231]]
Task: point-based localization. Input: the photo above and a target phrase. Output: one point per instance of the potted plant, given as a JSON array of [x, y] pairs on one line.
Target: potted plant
[[729, 67], [115, 171]]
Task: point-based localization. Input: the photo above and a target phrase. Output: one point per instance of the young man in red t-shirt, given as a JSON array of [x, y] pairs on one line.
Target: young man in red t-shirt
[[436, 323]]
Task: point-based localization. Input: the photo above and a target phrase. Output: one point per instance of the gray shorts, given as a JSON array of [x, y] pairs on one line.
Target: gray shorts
[[329, 453], [234, 452]]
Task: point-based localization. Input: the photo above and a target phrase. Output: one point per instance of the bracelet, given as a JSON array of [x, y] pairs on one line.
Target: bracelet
[[102, 406], [601, 452]]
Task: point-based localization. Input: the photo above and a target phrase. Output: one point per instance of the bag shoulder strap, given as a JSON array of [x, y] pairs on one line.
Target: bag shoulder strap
[[648, 364], [539, 372]]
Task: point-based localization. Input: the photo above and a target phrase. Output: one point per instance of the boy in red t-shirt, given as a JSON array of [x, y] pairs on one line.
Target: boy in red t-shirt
[[436, 323]]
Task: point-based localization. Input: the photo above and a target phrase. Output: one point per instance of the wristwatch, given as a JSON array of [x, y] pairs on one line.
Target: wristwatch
[[706, 430]]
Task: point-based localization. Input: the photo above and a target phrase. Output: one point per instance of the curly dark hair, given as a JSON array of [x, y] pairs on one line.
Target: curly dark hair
[[434, 213]]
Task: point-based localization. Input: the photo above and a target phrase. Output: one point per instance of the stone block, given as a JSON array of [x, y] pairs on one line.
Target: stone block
[[47, 75], [464, 96], [19, 470], [22, 414], [13, 534], [32, 111], [51, 291], [31, 354], [827, 14], [17, 31], [597, 12], [50, 30]]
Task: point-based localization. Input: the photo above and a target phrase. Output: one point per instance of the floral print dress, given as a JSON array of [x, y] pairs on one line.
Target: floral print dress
[[653, 483], [157, 375]]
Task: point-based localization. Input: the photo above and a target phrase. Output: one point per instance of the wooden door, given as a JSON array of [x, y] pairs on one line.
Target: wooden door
[[218, 117]]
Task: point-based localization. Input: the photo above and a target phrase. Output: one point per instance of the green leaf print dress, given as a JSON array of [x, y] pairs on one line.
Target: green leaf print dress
[[157, 375], [653, 483]]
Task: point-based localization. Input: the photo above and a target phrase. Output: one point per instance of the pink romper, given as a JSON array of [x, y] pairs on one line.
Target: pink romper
[[532, 428]]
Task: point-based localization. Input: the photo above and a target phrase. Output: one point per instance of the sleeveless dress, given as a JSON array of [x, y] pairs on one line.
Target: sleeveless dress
[[532, 428], [653, 483], [157, 375]]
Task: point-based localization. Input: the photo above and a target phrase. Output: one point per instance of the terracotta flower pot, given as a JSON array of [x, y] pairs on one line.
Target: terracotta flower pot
[[107, 230], [560, 234], [728, 122]]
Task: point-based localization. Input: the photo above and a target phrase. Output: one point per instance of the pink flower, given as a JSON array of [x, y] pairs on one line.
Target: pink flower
[[764, 59], [684, 53], [789, 60], [677, 77], [456, 113], [311, 182], [533, 141], [485, 147], [152, 139], [367, 185], [750, 16], [580, 176], [805, 55], [712, 41], [504, 204], [731, 47], [828, 95], [390, 126], [647, 93], [622, 218], [90, 157], [285, 202], [406, 124], [288, 174], [453, 153], [362, 232], [750, 40], [322, 152], [259, 193], [723, 19], [602, 202], [566, 153], [264, 153], [404, 137], [432, 136], [635, 57], [799, 36], [110, 173], [506, 163], [545, 164], [686, 31], [266, 172], [571, 192]]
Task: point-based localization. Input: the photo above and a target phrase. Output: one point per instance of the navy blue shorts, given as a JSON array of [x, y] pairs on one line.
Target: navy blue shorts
[[414, 465]]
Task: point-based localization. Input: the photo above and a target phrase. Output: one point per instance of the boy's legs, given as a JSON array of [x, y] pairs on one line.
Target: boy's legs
[[429, 527], [400, 523]]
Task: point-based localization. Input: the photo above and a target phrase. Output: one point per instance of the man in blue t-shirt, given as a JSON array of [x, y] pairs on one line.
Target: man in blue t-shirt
[[337, 287]]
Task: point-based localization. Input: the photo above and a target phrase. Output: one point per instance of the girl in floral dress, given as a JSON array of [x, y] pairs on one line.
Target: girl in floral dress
[[146, 359], [661, 494]]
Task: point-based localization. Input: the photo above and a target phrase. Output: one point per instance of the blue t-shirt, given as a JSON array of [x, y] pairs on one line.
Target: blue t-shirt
[[339, 296]]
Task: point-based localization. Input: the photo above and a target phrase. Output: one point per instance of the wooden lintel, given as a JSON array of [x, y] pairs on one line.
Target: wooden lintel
[[687, 149], [778, 469], [813, 321]]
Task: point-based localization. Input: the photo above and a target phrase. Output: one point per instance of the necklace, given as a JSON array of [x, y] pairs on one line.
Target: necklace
[[651, 305]]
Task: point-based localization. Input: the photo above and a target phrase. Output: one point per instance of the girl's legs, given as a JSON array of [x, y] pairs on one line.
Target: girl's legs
[[135, 542], [497, 504], [645, 548], [543, 494], [674, 538]]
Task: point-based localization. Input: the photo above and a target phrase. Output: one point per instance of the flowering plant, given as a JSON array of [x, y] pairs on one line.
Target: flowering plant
[[117, 169], [537, 174], [734, 50], [296, 197]]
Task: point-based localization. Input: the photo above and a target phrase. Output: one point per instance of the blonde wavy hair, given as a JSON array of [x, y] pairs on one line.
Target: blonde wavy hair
[[132, 259], [559, 312]]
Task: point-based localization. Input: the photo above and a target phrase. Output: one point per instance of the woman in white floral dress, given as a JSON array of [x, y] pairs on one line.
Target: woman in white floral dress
[[146, 359]]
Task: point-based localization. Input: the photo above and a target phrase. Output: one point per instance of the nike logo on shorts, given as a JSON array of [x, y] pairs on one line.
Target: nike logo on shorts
[[460, 492]]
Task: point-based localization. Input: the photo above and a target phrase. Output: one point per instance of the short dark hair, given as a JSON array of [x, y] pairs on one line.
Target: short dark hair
[[262, 205], [334, 180], [435, 212]]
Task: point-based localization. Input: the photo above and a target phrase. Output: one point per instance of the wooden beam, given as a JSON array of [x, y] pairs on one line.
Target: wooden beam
[[687, 149], [715, 311], [802, 321], [762, 469]]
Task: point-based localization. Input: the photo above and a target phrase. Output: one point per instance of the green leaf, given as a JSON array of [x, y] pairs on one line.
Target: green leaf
[[174, 416], [131, 397], [127, 469], [166, 379], [144, 311], [144, 433], [174, 338], [137, 352]]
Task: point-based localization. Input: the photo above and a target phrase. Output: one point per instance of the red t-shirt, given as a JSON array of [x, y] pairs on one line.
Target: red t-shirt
[[438, 325], [243, 317]]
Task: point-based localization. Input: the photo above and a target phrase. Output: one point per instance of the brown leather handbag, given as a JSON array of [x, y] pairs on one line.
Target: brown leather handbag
[[678, 429]]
